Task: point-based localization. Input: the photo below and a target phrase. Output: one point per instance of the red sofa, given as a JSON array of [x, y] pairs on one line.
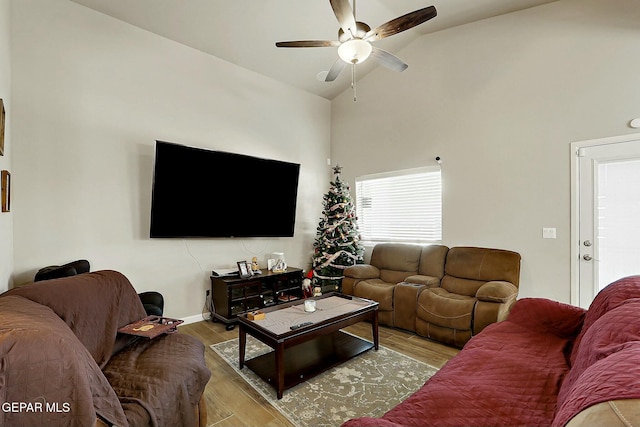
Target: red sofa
[[547, 364]]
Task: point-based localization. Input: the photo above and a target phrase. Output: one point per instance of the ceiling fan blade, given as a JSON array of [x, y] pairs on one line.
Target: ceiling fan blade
[[309, 43], [389, 60], [344, 13], [401, 23], [335, 70]]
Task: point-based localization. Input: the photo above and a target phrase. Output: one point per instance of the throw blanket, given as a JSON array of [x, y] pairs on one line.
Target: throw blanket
[[86, 364], [151, 392], [508, 375], [542, 366], [93, 305], [605, 362], [47, 377]]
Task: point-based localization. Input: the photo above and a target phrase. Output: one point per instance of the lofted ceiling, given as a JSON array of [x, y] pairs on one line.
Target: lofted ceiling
[[244, 32]]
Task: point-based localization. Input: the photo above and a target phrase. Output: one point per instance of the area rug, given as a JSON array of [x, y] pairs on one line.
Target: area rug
[[367, 385]]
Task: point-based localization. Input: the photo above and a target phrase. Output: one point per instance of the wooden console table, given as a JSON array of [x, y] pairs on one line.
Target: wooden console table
[[233, 295]]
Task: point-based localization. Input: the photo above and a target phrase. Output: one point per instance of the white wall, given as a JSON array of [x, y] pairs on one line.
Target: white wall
[[91, 95], [500, 101], [6, 219]]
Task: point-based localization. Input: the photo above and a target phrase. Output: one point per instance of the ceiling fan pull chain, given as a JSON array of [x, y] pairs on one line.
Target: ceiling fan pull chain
[[353, 81]]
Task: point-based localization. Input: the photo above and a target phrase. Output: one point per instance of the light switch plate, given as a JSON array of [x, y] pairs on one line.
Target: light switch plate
[[548, 233]]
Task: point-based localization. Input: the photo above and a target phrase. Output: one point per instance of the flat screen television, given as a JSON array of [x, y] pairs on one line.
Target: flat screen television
[[205, 193]]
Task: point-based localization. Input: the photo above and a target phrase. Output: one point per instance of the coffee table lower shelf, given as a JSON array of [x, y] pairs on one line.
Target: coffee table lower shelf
[[310, 358]]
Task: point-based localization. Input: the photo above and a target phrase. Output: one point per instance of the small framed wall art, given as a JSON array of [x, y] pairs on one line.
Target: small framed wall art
[[1, 127], [5, 190]]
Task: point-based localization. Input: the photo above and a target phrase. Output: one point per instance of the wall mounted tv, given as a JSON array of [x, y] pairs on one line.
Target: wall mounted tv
[[204, 193]]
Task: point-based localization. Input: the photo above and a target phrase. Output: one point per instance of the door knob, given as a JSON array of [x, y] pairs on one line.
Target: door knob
[[587, 257], [587, 243]]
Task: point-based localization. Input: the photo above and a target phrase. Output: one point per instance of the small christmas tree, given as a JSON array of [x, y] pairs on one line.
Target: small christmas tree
[[337, 245]]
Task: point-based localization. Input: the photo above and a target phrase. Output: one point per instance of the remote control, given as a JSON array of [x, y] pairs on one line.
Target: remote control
[[300, 325]]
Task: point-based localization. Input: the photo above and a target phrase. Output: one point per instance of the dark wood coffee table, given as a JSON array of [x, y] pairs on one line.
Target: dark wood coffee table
[[318, 346]]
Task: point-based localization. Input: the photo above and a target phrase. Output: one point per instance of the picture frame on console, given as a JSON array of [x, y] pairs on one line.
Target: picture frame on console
[[243, 269]]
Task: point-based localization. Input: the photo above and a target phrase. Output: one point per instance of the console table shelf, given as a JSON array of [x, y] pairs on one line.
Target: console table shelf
[[233, 295]]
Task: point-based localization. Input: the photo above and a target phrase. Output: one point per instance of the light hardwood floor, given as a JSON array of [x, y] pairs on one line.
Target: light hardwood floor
[[232, 402]]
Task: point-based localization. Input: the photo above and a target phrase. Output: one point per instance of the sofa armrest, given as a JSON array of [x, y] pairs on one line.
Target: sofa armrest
[[547, 316], [495, 299], [497, 291], [420, 279], [607, 414], [356, 273], [362, 271]]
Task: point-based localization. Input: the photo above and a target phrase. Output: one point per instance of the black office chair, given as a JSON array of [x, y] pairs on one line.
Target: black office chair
[[55, 271], [152, 301]]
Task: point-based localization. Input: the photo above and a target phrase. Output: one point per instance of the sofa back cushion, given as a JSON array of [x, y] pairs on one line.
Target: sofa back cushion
[[94, 305], [396, 261], [432, 260], [607, 363], [468, 268], [609, 298]]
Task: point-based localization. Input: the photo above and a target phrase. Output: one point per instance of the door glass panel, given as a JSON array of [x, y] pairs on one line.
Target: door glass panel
[[617, 220]]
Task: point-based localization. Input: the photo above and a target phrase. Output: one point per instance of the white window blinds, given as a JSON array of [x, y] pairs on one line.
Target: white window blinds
[[400, 206]]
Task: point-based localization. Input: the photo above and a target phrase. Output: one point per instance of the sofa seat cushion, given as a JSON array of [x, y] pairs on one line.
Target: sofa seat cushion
[[159, 382], [377, 290], [443, 308]]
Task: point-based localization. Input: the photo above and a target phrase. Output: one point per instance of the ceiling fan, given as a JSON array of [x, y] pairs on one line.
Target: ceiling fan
[[355, 38]]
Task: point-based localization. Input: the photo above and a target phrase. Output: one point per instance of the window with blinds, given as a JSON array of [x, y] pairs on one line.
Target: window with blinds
[[400, 206]]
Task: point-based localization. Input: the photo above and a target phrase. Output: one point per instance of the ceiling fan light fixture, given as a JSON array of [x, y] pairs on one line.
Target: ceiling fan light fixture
[[354, 51]]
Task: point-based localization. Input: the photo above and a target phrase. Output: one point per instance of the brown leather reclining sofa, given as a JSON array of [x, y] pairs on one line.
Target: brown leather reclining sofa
[[444, 294]]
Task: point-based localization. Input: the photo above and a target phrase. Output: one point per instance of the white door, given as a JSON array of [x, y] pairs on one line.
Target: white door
[[608, 204]]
